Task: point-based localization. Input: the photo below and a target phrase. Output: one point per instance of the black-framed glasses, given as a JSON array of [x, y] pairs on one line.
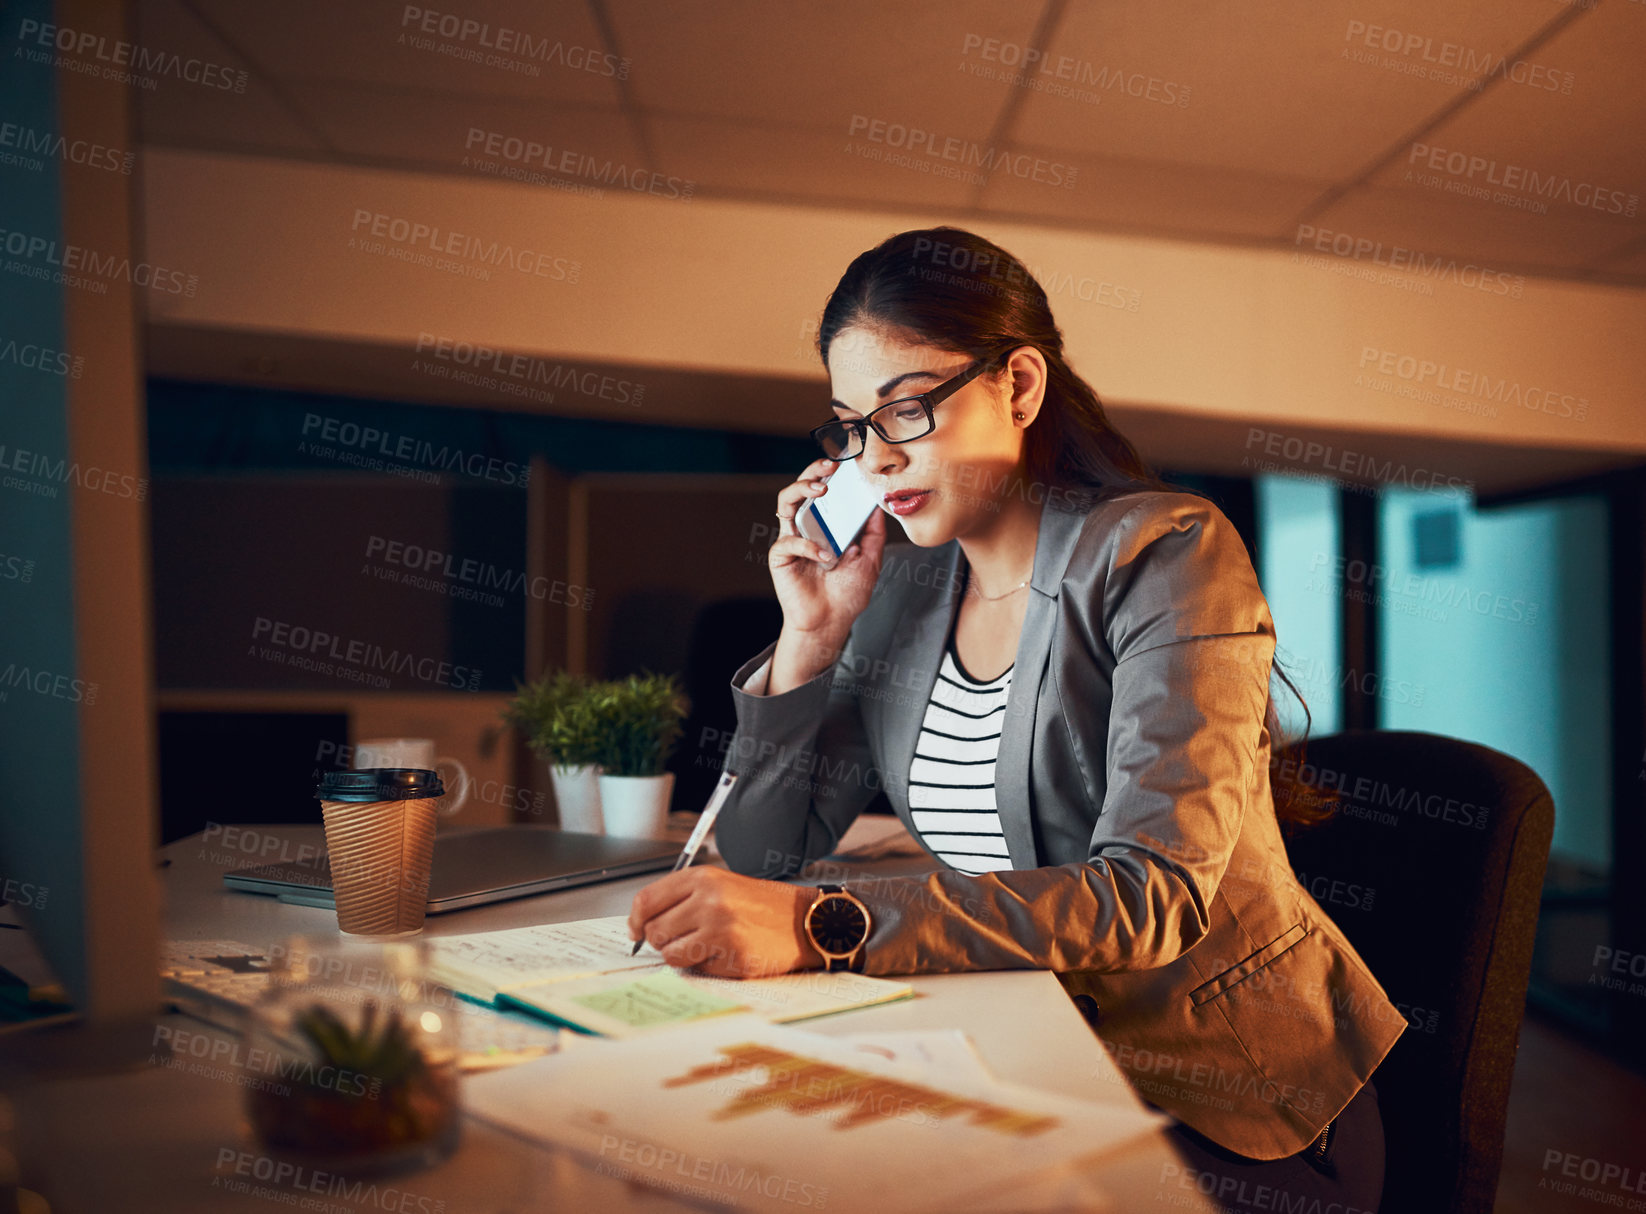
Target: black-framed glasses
[[897, 421]]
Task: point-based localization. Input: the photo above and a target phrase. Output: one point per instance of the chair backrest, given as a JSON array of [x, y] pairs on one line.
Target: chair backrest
[[1433, 867]]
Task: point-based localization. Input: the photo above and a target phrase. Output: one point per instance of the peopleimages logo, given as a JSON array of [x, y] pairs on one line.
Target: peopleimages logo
[[1411, 261], [31, 141], [36, 357], [959, 154], [1064, 75], [75, 45], [24, 677], [1432, 60], [529, 370], [511, 48], [477, 577], [1478, 384], [40, 471], [304, 648], [101, 268], [513, 158], [428, 244], [1515, 182], [362, 440]]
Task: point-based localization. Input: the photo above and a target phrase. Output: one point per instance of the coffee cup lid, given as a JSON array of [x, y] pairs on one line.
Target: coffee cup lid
[[380, 784]]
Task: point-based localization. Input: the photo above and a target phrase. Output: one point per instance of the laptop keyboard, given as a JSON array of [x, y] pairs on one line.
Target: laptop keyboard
[[219, 981]]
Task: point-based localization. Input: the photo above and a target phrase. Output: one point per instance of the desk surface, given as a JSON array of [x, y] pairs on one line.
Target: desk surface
[[165, 1138]]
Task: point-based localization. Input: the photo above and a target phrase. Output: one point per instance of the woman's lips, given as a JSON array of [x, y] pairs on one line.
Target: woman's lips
[[906, 502]]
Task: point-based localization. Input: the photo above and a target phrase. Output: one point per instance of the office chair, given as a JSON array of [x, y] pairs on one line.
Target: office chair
[[1433, 867]]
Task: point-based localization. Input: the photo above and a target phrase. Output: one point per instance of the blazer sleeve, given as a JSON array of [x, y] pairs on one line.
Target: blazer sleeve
[[1178, 610], [805, 771]]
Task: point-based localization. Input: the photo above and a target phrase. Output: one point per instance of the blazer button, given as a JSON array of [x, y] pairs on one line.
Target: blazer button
[[1089, 1009]]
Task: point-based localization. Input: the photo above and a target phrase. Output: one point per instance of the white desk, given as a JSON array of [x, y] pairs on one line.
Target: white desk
[[152, 1139]]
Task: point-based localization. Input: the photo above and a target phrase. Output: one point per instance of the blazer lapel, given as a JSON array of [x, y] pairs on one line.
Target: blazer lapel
[[1059, 529], [917, 646], [917, 643]]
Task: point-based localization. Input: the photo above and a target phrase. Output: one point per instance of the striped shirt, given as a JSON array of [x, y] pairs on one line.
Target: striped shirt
[[951, 780]]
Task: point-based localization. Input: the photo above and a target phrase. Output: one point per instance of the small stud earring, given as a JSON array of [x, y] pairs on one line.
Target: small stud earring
[[1019, 416]]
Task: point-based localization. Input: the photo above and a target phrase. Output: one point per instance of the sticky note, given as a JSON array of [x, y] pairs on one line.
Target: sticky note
[[656, 999]]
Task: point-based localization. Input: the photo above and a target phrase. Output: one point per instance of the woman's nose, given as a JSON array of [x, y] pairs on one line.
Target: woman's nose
[[880, 457]]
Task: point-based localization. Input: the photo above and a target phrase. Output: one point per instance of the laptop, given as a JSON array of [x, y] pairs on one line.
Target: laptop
[[487, 864]]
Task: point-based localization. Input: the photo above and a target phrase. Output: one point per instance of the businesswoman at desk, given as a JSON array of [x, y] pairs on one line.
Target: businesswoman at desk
[[1063, 686]]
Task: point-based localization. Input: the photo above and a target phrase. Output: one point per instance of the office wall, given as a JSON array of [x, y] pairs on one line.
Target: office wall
[[1256, 336]]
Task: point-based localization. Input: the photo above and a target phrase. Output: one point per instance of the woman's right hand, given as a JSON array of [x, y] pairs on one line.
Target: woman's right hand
[[820, 596]]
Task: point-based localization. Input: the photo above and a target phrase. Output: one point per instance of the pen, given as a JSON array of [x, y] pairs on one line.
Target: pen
[[705, 823]]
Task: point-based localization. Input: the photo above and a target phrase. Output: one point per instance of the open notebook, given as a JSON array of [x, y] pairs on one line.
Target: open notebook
[[581, 974]]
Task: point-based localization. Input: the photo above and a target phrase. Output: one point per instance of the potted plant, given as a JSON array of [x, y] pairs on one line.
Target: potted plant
[[350, 1073], [556, 718], [637, 722]]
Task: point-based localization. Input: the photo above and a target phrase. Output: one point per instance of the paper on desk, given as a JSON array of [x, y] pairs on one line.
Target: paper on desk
[[485, 963], [624, 1005], [641, 1003], [945, 1051], [766, 1117]]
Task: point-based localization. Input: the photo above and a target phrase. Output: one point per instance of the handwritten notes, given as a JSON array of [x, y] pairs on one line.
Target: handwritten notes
[[655, 999]]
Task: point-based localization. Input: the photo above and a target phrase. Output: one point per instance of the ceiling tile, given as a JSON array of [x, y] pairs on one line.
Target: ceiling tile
[[724, 156], [1502, 237], [818, 65], [248, 115], [1576, 159], [498, 137], [1290, 90], [511, 48], [1134, 195]]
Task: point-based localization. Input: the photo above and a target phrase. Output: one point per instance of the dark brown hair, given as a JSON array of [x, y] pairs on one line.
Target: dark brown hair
[[953, 289]]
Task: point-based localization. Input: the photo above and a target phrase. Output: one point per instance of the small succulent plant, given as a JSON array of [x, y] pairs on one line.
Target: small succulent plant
[[359, 1091]]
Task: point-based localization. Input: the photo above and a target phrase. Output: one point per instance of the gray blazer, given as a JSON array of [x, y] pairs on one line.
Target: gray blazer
[[1132, 784]]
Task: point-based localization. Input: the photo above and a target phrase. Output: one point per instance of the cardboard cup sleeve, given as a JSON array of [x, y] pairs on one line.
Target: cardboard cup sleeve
[[381, 853]]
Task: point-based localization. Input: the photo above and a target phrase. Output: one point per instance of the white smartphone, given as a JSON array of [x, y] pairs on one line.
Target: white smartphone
[[834, 519]]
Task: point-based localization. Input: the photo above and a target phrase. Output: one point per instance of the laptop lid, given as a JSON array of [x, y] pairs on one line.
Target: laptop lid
[[488, 864]]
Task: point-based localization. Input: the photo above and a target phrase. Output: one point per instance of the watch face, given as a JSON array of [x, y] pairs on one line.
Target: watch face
[[838, 925]]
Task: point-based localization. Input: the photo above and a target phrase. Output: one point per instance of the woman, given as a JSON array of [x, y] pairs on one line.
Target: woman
[[1063, 688]]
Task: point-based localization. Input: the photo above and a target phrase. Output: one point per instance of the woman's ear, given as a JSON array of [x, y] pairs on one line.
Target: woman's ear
[[1026, 367]]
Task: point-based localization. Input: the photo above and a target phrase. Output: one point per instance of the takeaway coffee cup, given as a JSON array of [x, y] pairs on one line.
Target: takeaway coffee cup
[[417, 752], [380, 841]]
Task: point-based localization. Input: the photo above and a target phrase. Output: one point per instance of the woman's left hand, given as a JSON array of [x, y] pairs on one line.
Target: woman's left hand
[[725, 924]]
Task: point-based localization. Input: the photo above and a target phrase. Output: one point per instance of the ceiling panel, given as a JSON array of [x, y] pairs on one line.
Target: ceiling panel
[[1505, 237], [815, 64], [249, 116], [1143, 196], [754, 158], [487, 136], [1595, 134], [545, 50], [1272, 88], [1249, 118]]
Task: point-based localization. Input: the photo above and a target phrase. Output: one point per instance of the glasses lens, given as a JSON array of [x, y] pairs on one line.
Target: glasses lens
[[836, 440], [903, 420]]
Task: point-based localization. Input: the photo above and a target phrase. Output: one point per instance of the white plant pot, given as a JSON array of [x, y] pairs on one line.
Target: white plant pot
[[636, 807], [577, 793]]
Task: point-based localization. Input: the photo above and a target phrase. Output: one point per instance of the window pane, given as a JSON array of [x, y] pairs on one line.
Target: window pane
[[1298, 570], [1497, 621]]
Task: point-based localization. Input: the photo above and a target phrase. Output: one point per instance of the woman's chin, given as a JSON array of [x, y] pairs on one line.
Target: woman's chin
[[924, 531]]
